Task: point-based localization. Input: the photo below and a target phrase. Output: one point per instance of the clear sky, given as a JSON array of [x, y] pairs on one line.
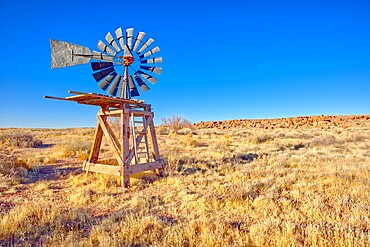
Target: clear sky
[[221, 59]]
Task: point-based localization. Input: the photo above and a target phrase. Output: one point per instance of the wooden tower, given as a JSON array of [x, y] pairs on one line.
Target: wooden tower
[[135, 149]]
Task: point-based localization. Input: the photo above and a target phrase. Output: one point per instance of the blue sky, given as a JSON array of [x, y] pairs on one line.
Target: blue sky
[[221, 59]]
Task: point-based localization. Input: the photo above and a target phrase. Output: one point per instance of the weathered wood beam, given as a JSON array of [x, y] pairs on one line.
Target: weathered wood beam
[[105, 169], [143, 167]]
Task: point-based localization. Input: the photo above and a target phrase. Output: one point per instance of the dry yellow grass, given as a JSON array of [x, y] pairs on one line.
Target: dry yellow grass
[[240, 187]]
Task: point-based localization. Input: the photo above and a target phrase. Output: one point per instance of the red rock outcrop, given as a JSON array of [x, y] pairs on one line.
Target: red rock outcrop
[[291, 123]]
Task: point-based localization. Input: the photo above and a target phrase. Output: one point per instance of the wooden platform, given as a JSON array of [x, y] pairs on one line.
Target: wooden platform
[[135, 148]]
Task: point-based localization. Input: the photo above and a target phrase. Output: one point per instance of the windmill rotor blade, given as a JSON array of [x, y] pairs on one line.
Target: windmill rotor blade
[[105, 48], [109, 38], [100, 56], [103, 73], [120, 38], [133, 89], [152, 60], [151, 52], [65, 54], [141, 83], [147, 77], [100, 65], [127, 51], [115, 84], [129, 36], [138, 40], [145, 45], [156, 70], [104, 84]]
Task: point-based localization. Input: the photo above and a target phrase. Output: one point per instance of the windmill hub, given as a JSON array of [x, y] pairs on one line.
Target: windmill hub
[[128, 60]]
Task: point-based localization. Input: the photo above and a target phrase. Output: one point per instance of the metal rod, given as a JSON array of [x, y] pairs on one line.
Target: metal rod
[[52, 97]]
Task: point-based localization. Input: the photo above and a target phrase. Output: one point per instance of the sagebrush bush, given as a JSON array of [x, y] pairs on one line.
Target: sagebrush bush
[[12, 169], [73, 148], [19, 140], [176, 123]]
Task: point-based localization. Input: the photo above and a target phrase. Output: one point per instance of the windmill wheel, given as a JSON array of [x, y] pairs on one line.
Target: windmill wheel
[[125, 63]]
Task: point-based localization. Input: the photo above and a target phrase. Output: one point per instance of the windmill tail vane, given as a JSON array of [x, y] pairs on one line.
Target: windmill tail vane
[[119, 50]]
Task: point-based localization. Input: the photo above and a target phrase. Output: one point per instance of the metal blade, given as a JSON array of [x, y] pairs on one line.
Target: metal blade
[[157, 70], [151, 52], [115, 84], [145, 45], [104, 84], [129, 36], [152, 60], [147, 77], [138, 40], [65, 54], [105, 48], [127, 51], [103, 73], [120, 38], [99, 56], [141, 83], [109, 38], [100, 65], [133, 89]]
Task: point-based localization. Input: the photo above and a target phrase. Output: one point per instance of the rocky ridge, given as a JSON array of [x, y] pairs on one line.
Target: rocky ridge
[[291, 123]]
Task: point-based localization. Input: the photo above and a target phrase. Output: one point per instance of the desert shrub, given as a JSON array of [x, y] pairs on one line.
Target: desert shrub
[[356, 137], [83, 196], [326, 140], [186, 131], [73, 147], [259, 138], [19, 140], [189, 140], [12, 170], [176, 123], [221, 144], [162, 130], [172, 158]]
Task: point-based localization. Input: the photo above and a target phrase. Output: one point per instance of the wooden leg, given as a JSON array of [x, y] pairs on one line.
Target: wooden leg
[[125, 131], [98, 137], [161, 172], [126, 181], [95, 148]]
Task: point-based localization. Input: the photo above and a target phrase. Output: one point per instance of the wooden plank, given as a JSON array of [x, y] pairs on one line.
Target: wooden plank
[[141, 113], [120, 100], [144, 167], [79, 97], [105, 169], [103, 121], [154, 146], [154, 141], [95, 148], [125, 121], [115, 113], [110, 140]]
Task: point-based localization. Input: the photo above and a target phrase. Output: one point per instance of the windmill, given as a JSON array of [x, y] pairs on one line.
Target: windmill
[[124, 63]]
